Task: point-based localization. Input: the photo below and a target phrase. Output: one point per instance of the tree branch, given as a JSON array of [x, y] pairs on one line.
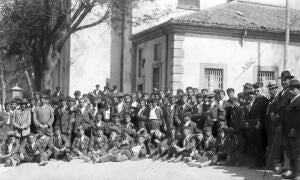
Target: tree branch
[[104, 17]]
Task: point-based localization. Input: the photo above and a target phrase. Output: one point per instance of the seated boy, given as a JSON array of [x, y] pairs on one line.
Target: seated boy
[[10, 150]]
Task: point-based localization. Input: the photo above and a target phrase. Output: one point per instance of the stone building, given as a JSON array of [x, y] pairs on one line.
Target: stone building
[[221, 47]]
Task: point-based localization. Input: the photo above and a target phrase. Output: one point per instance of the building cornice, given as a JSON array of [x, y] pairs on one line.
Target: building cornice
[[166, 28]]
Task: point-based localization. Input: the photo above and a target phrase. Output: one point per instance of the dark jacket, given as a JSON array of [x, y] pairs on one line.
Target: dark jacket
[[291, 121]]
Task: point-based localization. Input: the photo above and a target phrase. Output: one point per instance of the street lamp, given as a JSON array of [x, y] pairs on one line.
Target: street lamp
[[17, 91]]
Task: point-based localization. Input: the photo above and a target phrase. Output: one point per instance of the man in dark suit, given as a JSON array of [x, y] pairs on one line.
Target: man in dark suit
[[254, 130], [58, 93], [187, 122], [282, 100], [84, 117], [291, 130], [181, 110], [169, 112]]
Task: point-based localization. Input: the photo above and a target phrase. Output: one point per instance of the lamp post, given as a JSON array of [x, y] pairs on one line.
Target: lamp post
[[17, 91]]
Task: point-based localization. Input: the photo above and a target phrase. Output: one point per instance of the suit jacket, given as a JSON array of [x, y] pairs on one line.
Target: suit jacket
[[81, 146], [257, 112], [189, 142], [180, 111], [169, 115], [98, 143], [14, 150], [58, 94], [192, 126], [83, 119], [63, 119], [218, 110], [226, 147], [291, 121], [27, 149], [22, 121], [46, 143], [60, 142]]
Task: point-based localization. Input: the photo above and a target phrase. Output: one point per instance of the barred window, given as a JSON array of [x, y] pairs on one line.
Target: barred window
[[157, 52], [264, 76], [189, 4], [214, 78]]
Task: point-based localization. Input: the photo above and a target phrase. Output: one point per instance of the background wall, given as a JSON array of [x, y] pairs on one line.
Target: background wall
[[211, 49]]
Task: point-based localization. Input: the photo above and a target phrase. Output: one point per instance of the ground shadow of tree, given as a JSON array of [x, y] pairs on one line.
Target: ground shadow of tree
[[247, 174]]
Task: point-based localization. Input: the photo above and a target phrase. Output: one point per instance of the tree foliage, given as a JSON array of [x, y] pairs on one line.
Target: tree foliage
[[37, 30]]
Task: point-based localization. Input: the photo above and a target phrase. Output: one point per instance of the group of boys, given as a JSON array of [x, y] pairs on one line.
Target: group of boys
[[199, 128]]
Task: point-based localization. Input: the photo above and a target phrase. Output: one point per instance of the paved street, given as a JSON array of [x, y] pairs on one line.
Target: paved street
[[139, 170]]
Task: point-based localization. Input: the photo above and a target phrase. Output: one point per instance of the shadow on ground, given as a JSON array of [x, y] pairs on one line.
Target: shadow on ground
[[242, 172]]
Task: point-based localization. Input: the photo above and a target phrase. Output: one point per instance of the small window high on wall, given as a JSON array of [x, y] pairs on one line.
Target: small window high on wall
[[189, 4]]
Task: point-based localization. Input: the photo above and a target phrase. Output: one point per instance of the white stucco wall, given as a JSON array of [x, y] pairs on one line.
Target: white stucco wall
[[90, 48], [148, 54], [217, 50]]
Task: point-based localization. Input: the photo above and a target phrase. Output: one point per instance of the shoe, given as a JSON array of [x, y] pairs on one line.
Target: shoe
[[193, 164], [93, 158], [177, 159], [43, 163], [187, 159], [277, 169], [288, 175], [221, 163], [68, 158], [200, 166], [171, 160]]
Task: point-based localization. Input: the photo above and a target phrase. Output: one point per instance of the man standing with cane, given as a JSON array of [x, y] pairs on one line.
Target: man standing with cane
[[291, 130]]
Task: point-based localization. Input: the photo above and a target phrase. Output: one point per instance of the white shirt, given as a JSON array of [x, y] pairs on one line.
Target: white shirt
[[120, 107], [140, 111], [82, 110], [134, 104], [153, 114], [172, 107], [186, 139], [187, 123], [82, 138], [32, 145], [136, 149], [107, 114], [10, 146]]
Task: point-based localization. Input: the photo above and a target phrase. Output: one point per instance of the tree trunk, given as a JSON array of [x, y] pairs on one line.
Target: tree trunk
[[51, 60], [3, 86], [29, 83]]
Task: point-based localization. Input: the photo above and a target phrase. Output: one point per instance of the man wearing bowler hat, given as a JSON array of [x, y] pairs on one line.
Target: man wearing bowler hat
[[282, 100], [291, 130]]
